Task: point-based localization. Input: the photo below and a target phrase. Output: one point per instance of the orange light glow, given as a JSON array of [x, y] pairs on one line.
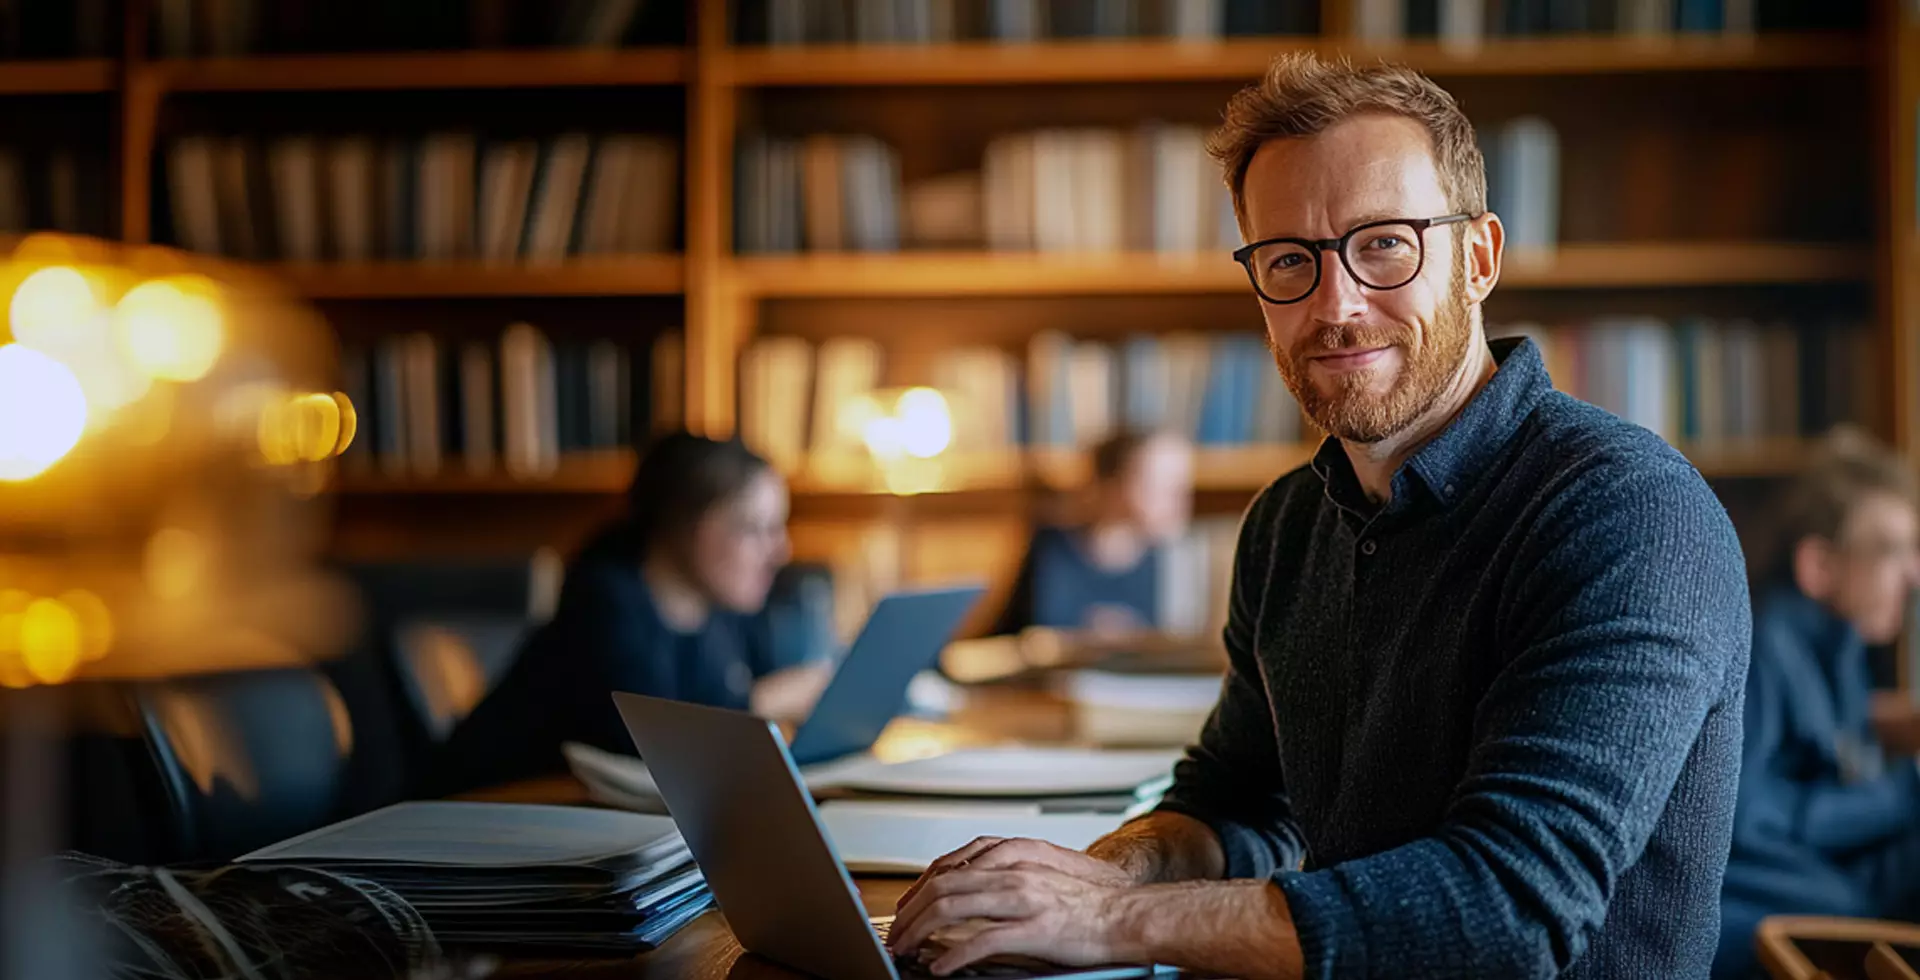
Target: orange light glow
[[172, 329], [49, 641]]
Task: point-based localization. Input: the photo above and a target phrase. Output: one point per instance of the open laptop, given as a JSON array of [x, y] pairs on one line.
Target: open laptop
[[736, 795], [903, 637]]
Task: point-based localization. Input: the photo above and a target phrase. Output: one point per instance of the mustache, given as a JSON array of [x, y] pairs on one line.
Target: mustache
[[1337, 336]]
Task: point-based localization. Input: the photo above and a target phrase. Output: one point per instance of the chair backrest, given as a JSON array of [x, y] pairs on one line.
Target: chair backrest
[[448, 663], [1809, 947], [246, 759]]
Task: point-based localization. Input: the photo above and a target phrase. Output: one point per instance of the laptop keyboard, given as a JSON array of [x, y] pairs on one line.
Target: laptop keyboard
[[909, 964]]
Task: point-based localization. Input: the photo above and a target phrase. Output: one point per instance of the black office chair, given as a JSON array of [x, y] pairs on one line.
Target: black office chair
[[247, 758]]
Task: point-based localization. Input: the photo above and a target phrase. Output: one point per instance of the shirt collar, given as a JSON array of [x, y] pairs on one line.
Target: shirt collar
[[1453, 461]]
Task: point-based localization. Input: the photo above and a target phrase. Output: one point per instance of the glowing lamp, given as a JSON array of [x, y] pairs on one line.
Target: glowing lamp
[[42, 412]]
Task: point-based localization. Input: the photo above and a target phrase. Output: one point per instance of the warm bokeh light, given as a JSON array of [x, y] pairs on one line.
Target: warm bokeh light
[[172, 328], [926, 427], [96, 623], [310, 427], [349, 422], [50, 645], [51, 303], [43, 411], [176, 561]]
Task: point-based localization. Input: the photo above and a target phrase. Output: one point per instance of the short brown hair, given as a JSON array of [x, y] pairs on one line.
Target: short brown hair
[[1846, 468], [1304, 95], [1112, 455]]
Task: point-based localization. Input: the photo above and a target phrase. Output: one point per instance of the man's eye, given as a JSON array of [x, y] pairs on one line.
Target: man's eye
[[1385, 242]]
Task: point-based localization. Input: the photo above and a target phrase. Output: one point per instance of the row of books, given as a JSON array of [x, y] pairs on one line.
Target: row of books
[[1220, 390], [1467, 21], [1697, 380], [509, 405], [42, 29], [792, 22], [226, 28], [439, 197], [1151, 188], [58, 188]]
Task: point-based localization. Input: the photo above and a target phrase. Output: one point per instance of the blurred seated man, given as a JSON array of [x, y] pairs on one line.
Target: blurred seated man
[[1828, 821], [1103, 576], [664, 601]]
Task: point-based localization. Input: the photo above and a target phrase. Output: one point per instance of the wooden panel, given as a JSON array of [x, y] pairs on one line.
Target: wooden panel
[[606, 472], [423, 70], [991, 274], [642, 275], [986, 63], [78, 75]]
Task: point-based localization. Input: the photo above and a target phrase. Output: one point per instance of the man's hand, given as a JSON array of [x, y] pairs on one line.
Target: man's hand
[[1035, 910], [994, 853]]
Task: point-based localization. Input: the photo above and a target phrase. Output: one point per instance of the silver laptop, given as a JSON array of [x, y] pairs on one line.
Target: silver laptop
[[737, 797]]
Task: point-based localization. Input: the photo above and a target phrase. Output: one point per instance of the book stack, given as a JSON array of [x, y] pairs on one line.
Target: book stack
[[516, 405], [791, 22], [1465, 22], [438, 197], [228, 28], [46, 29], [513, 876], [58, 188], [1702, 381], [1220, 390], [1151, 188]]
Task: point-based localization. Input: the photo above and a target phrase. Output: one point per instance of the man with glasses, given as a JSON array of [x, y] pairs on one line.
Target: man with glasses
[[1829, 816], [1487, 651]]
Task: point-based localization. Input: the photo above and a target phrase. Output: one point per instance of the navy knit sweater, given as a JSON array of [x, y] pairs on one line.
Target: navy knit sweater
[[1492, 728]]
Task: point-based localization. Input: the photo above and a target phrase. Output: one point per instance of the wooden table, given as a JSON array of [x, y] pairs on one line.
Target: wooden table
[[705, 949]]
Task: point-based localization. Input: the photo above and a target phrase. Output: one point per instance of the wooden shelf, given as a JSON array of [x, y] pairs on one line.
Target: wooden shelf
[[1239, 469], [600, 472], [56, 77], [985, 63], [1013, 274], [425, 70], [641, 275]]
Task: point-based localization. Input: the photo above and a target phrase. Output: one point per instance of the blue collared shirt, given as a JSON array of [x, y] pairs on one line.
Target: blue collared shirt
[[1491, 727]]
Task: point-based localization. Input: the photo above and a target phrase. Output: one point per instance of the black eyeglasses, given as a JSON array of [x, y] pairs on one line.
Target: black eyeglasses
[[1379, 255]]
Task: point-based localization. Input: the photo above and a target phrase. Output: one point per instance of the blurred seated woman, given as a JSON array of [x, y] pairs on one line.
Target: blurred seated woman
[[1102, 577], [663, 602], [1828, 818]]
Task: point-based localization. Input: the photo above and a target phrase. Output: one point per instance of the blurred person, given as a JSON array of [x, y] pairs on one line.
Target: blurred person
[[662, 602], [1488, 650], [1828, 821], [1103, 576]]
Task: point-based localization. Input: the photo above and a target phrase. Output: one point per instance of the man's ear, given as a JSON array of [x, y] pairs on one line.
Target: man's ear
[[1486, 248], [1813, 567]]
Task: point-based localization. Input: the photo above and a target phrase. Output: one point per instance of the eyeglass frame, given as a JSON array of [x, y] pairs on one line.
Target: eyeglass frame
[[1244, 254]]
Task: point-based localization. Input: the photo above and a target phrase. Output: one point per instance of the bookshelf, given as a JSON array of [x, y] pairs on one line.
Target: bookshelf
[[1236, 59], [1003, 274], [647, 275], [65, 77], [711, 90]]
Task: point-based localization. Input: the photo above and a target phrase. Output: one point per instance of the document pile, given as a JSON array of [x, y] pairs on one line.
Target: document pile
[[535, 878], [897, 817]]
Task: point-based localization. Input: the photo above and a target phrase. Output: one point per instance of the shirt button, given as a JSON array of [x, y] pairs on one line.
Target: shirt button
[[1368, 547]]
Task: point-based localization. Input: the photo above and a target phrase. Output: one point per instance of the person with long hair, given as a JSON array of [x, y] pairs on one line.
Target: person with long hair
[[1828, 818], [663, 602]]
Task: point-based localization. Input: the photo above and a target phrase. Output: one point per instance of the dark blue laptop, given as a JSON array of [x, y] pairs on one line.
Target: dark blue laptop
[[903, 637]]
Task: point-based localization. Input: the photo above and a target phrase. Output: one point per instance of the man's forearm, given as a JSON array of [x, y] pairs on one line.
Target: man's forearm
[[1215, 928], [1163, 847]]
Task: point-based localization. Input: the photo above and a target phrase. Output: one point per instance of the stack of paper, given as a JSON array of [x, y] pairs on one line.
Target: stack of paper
[[513, 875], [1139, 707], [905, 836]]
